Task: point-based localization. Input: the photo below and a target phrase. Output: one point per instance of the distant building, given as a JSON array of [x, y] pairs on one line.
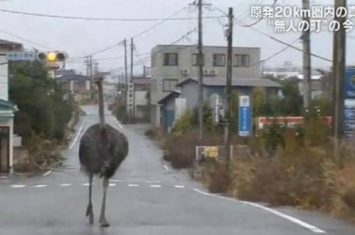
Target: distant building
[[141, 96], [188, 90], [75, 85], [172, 64]]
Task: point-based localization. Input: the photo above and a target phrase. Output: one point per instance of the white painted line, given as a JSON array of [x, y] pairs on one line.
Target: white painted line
[[47, 173], [277, 213], [77, 136], [153, 182], [3, 177], [179, 186], [112, 185], [166, 167], [116, 180], [155, 186], [40, 186], [133, 185], [86, 184], [65, 185], [18, 186], [119, 124]]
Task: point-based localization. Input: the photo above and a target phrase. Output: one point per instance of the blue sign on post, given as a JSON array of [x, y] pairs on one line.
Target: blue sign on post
[[21, 56], [349, 103], [244, 116]]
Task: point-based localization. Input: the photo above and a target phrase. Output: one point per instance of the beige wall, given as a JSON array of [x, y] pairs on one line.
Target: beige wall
[[9, 123]]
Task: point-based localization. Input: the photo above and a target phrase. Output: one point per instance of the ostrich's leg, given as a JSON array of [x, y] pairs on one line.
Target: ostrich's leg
[[103, 220], [89, 211]]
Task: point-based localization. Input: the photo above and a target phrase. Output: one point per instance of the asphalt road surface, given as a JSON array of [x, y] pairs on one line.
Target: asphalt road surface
[[145, 197]]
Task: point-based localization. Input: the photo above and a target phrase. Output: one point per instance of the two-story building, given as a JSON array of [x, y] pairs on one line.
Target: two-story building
[[76, 85], [172, 64], [141, 96]]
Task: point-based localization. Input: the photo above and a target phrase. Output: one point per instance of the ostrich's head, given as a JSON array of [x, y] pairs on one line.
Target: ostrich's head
[[99, 80]]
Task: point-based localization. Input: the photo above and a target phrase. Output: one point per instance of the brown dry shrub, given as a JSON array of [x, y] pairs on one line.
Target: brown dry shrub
[[181, 150], [219, 179], [302, 177]]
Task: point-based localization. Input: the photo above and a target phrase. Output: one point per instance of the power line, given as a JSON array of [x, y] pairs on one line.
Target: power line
[[139, 62], [148, 29], [159, 23], [26, 40], [275, 54], [98, 18], [240, 23], [291, 46]]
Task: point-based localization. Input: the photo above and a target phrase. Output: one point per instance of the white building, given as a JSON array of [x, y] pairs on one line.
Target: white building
[[7, 109]]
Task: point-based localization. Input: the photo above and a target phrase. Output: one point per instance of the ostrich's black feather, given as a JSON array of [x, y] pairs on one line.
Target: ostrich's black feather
[[102, 151]]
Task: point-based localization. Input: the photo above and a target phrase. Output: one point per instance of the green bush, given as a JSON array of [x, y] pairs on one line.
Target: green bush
[[42, 110]]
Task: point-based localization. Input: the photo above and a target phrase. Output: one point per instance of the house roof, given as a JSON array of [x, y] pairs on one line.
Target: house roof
[[205, 46], [141, 81], [73, 77], [7, 109], [168, 96], [5, 42], [242, 82], [51, 65]]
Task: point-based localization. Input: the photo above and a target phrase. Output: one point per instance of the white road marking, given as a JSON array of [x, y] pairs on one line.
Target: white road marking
[[155, 186], [179, 186], [133, 185], [18, 186], [277, 213], [40, 186], [65, 185], [77, 136], [47, 173], [153, 182], [86, 184], [3, 177], [119, 124], [112, 185], [166, 167], [116, 180]]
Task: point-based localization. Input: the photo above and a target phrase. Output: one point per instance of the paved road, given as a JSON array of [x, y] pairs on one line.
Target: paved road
[[145, 197]]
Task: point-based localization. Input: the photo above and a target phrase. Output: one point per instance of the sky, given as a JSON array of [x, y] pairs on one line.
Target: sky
[[80, 38]]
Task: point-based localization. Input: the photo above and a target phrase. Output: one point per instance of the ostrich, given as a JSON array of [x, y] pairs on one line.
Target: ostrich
[[102, 150]]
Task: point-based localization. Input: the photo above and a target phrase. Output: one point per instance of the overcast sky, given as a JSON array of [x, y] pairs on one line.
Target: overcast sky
[[79, 37]]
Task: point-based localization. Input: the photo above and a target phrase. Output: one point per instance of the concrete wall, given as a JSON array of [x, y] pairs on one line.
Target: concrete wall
[[190, 92], [185, 61], [140, 97], [3, 78]]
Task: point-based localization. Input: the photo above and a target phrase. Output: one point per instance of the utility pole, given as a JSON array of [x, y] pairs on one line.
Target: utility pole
[[144, 72], [125, 63], [132, 52], [339, 56], [306, 38], [229, 84], [200, 72]]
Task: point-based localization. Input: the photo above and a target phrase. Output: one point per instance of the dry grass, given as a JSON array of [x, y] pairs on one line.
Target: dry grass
[[181, 150]]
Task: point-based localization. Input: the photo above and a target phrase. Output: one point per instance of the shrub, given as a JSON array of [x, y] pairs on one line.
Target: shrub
[[181, 150], [154, 133], [183, 124], [219, 179]]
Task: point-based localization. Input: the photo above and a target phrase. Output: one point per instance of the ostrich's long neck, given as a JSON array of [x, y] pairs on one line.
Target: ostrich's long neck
[[101, 106]]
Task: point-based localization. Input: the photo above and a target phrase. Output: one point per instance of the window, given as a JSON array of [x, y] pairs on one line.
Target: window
[[241, 60], [169, 84], [219, 60], [195, 59], [171, 59]]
